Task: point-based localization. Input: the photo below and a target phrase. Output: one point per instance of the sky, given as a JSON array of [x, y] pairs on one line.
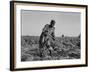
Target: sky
[[67, 23]]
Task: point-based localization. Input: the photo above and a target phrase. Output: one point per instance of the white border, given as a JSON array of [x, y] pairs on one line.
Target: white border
[[31, 64]]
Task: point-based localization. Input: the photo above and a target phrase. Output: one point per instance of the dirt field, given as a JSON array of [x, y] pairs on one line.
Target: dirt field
[[66, 48]]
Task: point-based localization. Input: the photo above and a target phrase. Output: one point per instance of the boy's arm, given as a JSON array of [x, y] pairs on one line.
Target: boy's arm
[[53, 34]]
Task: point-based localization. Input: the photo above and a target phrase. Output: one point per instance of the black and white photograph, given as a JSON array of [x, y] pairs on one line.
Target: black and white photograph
[[50, 35], [47, 35]]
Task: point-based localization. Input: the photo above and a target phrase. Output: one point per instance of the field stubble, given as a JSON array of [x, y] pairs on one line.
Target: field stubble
[[66, 48]]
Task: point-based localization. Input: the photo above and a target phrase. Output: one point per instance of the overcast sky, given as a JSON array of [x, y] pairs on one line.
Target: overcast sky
[[67, 23]]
